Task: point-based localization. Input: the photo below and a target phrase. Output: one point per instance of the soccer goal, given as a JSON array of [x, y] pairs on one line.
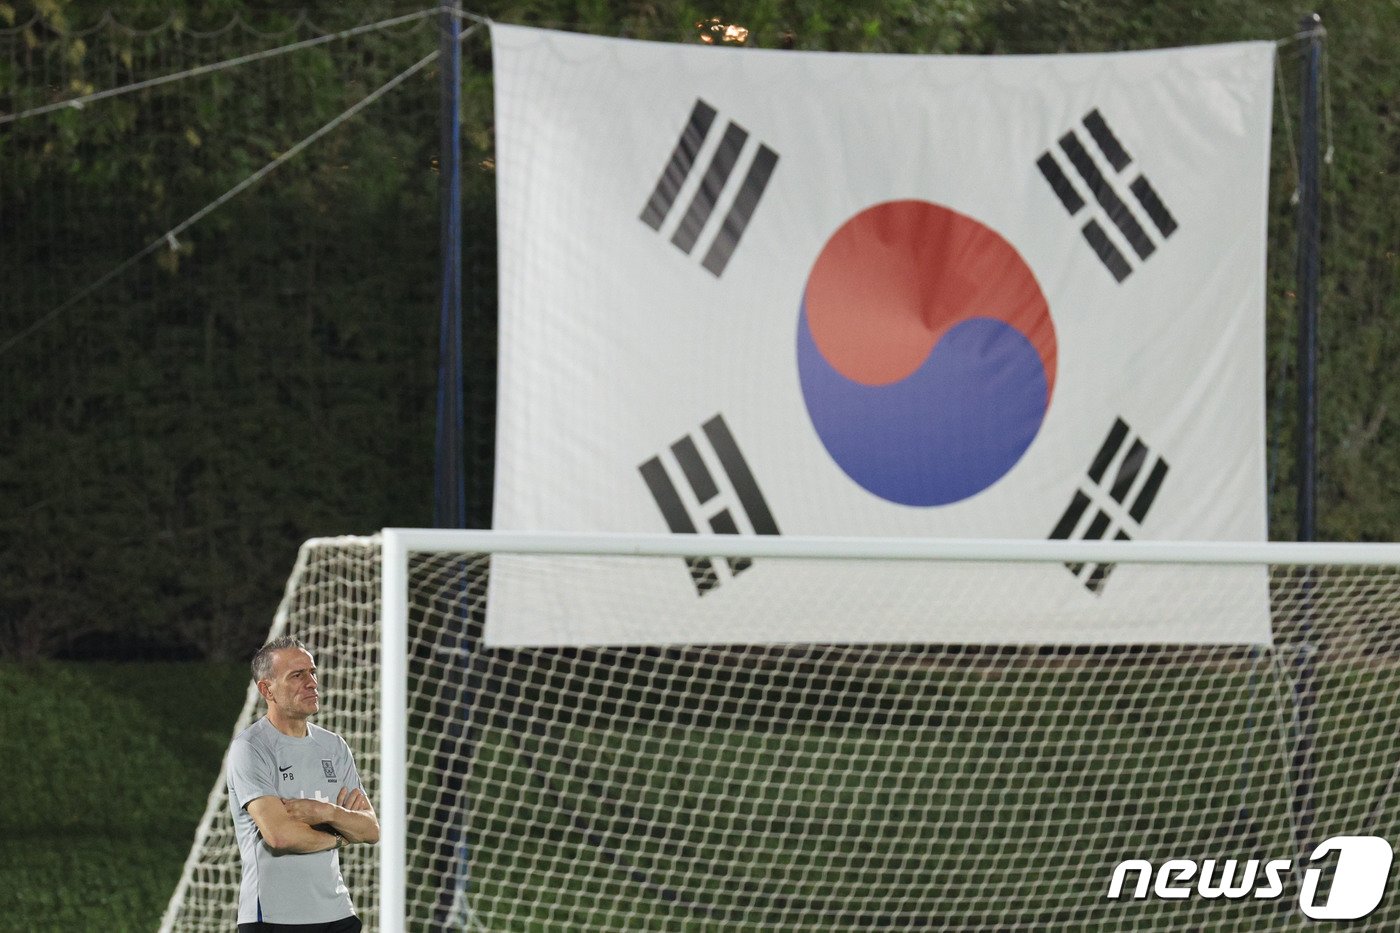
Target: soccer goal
[[869, 783]]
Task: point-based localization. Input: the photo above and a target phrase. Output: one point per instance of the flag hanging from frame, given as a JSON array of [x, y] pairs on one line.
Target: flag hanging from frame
[[764, 292]]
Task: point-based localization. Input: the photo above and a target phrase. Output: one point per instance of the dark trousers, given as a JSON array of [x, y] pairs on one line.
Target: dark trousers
[[350, 924]]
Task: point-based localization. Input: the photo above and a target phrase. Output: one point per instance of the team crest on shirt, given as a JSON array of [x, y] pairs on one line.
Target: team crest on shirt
[[328, 767]]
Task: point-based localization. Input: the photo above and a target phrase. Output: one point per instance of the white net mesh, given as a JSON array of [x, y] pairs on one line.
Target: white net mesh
[[332, 604], [850, 787]]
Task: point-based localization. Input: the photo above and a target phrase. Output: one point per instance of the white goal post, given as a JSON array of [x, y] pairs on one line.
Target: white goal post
[[830, 786]]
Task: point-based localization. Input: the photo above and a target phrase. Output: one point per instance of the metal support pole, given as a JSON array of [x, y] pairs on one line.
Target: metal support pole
[[451, 648], [449, 462], [1309, 269]]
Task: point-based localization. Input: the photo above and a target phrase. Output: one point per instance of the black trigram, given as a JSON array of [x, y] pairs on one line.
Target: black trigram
[[712, 184], [1117, 505], [1127, 224], [682, 517]]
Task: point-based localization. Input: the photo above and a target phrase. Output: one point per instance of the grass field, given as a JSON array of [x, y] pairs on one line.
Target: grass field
[[105, 769], [973, 800]]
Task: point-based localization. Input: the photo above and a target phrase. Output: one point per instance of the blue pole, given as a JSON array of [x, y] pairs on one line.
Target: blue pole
[[1309, 272], [451, 714], [449, 472]]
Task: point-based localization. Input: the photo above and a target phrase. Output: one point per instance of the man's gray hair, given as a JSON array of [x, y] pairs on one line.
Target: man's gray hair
[[262, 659]]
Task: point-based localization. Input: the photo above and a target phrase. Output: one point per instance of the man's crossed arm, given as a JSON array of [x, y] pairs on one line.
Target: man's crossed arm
[[302, 825]]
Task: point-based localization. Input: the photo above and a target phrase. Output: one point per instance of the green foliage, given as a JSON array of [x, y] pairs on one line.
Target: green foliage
[[266, 377], [107, 768], [270, 375]]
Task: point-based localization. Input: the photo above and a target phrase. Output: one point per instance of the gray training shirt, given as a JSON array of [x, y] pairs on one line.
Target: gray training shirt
[[292, 888]]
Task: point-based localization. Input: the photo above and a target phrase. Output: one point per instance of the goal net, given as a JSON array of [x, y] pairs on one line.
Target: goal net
[[822, 787]]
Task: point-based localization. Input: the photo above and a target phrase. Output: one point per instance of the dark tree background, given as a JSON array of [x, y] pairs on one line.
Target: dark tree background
[[167, 440]]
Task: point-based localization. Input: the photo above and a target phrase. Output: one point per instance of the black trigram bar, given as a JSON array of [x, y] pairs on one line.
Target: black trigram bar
[[715, 434], [1113, 511], [702, 483], [711, 186], [1111, 443], [1098, 574], [1105, 192], [1108, 144], [713, 182], [740, 476], [1147, 196], [1108, 253], [739, 215], [678, 168], [1108, 199], [1060, 183], [668, 500]]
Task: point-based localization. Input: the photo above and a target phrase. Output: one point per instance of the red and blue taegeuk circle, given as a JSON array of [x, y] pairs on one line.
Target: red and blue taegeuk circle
[[925, 351]]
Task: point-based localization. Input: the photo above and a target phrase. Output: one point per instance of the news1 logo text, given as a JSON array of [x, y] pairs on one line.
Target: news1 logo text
[[1358, 879]]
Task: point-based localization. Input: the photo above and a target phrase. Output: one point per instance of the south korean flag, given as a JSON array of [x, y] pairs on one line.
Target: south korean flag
[[757, 292]]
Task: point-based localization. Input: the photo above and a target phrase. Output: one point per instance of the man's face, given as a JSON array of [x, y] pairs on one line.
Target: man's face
[[292, 687]]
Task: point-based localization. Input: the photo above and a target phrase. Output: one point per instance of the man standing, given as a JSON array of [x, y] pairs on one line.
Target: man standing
[[283, 774]]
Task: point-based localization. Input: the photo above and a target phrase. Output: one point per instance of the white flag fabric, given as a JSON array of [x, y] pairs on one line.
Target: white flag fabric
[[766, 292]]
